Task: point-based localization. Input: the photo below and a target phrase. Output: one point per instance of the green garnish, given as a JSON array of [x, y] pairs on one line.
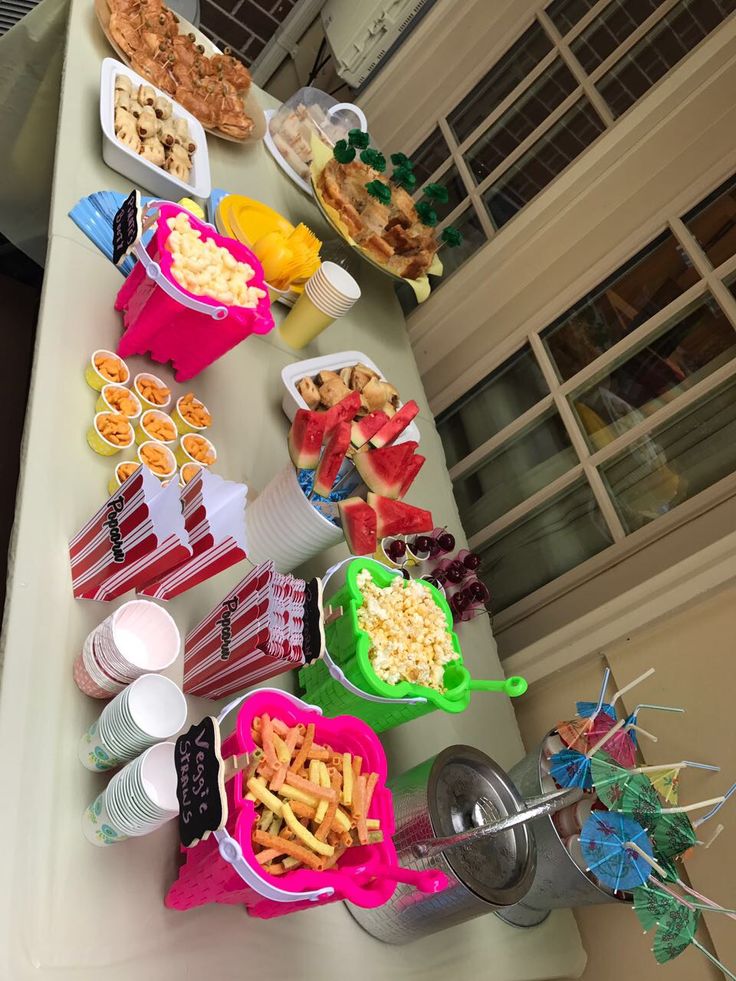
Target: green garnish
[[379, 190], [373, 158], [359, 139], [451, 236], [437, 192], [343, 153], [427, 214]]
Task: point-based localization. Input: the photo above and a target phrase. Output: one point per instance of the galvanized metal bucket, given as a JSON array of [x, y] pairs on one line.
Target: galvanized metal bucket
[[558, 881], [440, 798]]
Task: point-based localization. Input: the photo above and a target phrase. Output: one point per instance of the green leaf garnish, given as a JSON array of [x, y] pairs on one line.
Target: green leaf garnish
[[379, 190], [374, 159], [359, 139], [343, 153], [451, 236], [437, 192], [401, 160], [403, 177], [427, 214]]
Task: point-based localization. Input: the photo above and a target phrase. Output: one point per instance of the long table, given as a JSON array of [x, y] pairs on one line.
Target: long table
[[69, 910]]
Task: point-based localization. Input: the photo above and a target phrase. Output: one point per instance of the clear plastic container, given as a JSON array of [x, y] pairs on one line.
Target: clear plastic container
[[311, 112]]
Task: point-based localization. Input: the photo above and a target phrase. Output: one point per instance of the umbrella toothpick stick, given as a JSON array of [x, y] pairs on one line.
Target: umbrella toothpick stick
[[602, 696], [604, 739], [713, 959], [659, 708], [648, 859], [693, 807], [680, 765], [642, 732], [713, 837]]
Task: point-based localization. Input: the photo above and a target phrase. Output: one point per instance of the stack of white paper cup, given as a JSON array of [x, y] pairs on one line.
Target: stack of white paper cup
[[138, 799], [328, 294], [139, 637], [152, 708]]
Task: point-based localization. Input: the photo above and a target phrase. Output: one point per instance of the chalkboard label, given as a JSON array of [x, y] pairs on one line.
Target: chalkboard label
[[200, 783], [313, 636], [126, 227]]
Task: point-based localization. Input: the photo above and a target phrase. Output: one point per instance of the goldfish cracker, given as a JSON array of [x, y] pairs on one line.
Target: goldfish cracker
[[191, 415], [188, 472], [195, 449], [155, 425], [158, 458], [117, 398], [105, 367], [109, 433], [121, 473], [152, 392]]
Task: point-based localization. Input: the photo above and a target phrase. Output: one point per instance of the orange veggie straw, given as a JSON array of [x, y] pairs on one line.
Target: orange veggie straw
[[294, 780], [301, 756], [370, 787], [268, 746]]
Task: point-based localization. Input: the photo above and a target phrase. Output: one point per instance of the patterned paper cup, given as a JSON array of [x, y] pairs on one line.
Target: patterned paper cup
[[120, 474], [138, 637], [142, 796], [188, 471], [145, 379], [101, 444], [97, 378], [97, 825], [118, 398]]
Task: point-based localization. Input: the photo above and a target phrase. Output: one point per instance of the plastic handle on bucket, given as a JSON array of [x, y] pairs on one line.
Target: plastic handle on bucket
[[349, 107], [231, 852], [513, 687], [339, 675], [154, 272], [429, 881]]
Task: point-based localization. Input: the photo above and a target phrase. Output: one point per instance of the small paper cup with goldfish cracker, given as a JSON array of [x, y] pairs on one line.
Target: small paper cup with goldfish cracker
[[109, 433], [104, 368], [155, 425], [190, 415], [153, 393], [194, 448], [158, 458], [188, 472], [117, 398], [121, 473]]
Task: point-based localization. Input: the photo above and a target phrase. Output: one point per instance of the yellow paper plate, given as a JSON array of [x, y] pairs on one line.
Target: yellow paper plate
[[247, 220], [321, 155]]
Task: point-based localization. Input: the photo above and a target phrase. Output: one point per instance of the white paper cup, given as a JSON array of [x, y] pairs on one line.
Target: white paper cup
[[150, 709], [283, 525], [97, 825], [332, 289], [142, 796], [139, 637]]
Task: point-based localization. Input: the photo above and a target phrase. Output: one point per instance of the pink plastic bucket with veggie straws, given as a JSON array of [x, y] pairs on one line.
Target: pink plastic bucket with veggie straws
[[169, 323], [209, 874]]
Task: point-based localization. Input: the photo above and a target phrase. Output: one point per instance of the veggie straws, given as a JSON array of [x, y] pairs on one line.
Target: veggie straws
[[312, 803]]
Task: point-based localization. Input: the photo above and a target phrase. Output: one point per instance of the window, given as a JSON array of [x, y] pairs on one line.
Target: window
[[608, 418], [572, 74]]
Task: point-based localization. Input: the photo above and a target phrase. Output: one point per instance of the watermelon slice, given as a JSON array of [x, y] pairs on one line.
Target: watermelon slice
[[398, 518], [364, 428], [413, 466], [359, 524], [395, 425], [384, 469], [332, 458], [305, 438], [345, 410]]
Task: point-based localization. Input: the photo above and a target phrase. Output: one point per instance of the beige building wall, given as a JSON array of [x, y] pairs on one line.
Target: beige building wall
[[694, 655]]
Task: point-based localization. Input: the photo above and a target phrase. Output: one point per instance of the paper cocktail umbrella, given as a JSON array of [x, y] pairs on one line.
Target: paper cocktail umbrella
[[606, 840], [676, 932], [621, 746], [569, 768], [610, 779], [573, 733]]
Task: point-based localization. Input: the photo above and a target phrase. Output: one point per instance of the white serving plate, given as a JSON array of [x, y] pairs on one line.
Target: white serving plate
[[122, 159], [292, 373]]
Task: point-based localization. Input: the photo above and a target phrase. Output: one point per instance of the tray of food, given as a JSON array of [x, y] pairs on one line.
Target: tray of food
[[150, 138], [320, 383], [173, 55], [388, 235], [309, 113]]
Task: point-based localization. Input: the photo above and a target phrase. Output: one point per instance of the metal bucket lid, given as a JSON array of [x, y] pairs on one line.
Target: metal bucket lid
[[499, 869]]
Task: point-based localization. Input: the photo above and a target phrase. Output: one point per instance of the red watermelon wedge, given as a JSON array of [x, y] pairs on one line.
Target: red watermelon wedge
[[332, 458], [305, 438], [359, 523], [345, 410], [384, 469], [413, 466], [395, 425], [364, 428], [398, 518]]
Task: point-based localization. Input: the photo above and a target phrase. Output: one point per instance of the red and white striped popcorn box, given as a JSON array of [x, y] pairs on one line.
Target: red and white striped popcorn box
[[214, 516], [138, 533]]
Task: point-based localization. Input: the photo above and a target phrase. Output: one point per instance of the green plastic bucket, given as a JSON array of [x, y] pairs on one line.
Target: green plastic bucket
[[348, 647]]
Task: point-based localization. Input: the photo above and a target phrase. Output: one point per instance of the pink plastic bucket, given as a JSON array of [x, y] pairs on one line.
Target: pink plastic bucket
[[207, 876], [169, 323]]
